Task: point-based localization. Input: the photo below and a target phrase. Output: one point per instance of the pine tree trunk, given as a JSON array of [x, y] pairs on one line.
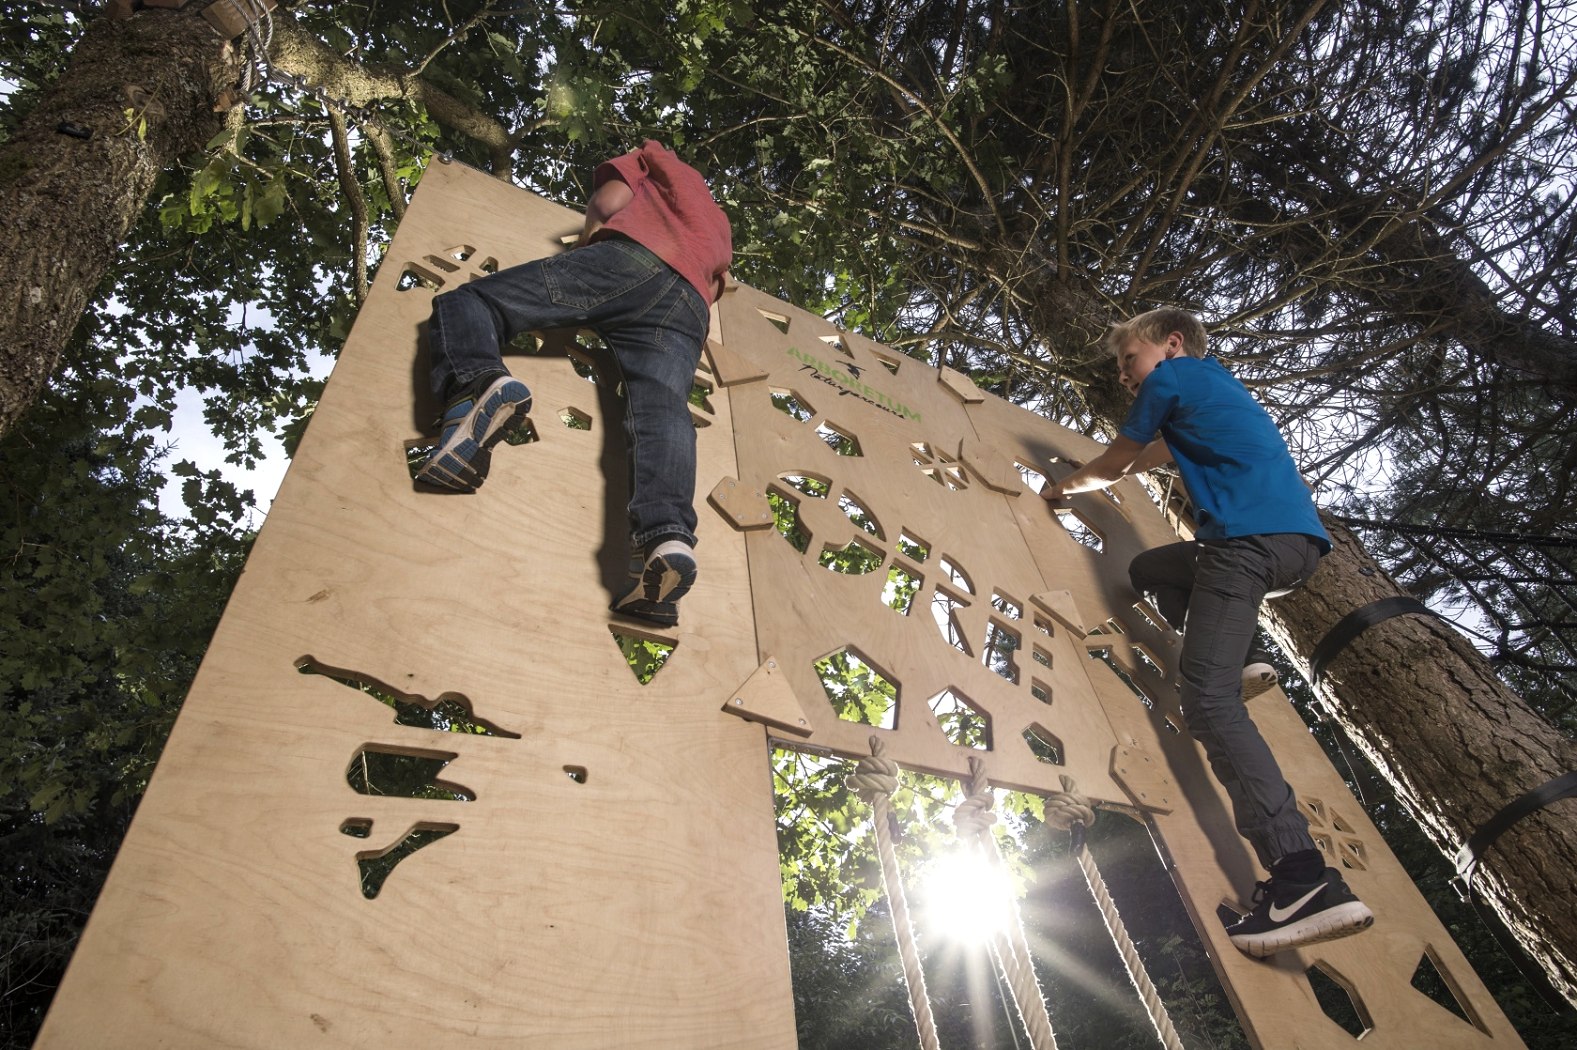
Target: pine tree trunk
[[136, 96], [1457, 744]]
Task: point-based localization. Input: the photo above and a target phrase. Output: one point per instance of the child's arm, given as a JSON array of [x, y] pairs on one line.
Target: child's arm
[[1122, 457], [1155, 454]]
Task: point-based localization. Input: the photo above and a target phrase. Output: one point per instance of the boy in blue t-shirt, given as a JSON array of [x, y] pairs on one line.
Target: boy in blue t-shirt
[[1257, 533]]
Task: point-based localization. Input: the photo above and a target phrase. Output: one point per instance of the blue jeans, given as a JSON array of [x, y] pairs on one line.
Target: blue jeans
[[652, 320], [1215, 587]]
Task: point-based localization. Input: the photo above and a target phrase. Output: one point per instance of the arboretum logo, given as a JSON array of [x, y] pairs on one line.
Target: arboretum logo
[[846, 380]]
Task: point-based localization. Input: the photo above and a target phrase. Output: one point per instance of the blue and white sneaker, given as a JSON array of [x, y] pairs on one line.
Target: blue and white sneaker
[[1291, 914], [471, 425], [658, 582]]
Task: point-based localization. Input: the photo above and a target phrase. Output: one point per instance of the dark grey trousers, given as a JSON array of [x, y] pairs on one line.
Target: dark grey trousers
[[1213, 588]]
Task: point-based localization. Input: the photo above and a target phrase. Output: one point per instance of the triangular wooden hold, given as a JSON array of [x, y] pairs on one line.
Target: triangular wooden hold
[[730, 368], [994, 470], [1059, 605], [1144, 777], [745, 506], [767, 697], [962, 385]]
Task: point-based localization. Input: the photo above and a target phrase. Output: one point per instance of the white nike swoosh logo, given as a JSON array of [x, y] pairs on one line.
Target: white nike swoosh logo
[[1281, 914]]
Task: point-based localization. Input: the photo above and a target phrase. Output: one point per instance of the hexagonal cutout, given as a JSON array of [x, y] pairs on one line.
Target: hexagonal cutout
[[792, 405], [582, 361], [778, 321], [575, 419], [524, 434], [1045, 745], [961, 721], [857, 690], [1339, 999], [839, 440]]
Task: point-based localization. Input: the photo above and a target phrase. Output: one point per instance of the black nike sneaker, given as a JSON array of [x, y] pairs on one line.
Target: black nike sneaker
[[1290, 914]]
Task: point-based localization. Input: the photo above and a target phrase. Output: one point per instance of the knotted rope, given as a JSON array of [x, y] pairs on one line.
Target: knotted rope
[[973, 819], [875, 779], [1071, 811]]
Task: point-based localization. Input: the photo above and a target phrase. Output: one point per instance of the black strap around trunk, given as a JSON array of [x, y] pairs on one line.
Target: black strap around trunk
[[1467, 861], [1359, 621]]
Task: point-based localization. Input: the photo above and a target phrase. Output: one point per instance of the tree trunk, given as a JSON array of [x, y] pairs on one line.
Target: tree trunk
[[137, 95], [1458, 745]]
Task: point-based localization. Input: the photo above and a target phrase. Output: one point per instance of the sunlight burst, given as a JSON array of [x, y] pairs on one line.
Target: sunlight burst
[[965, 898]]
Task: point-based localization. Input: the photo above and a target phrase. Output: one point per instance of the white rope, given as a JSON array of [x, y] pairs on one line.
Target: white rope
[[973, 819], [875, 779], [1070, 811]]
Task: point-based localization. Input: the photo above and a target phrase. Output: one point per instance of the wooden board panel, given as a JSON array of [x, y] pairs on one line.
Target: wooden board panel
[[640, 907], [614, 881]]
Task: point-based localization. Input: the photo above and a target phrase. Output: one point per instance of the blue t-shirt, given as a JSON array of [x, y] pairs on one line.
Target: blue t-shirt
[[1232, 458]]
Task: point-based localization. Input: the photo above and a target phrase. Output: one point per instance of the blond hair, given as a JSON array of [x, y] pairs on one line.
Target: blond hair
[[1153, 326]]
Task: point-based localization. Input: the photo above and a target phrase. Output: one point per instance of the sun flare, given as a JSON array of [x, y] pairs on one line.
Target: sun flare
[[965, 898]]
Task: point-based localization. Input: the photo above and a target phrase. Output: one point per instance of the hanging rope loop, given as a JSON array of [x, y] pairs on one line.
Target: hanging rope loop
[[875, 779], [1069, 810]]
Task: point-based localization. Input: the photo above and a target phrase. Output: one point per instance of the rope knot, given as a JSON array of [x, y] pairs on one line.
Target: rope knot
[[875, 774], [977, 812], [1067, 807]]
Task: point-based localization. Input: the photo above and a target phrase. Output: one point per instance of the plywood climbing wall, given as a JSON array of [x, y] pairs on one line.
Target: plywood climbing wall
[[320, 860]]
